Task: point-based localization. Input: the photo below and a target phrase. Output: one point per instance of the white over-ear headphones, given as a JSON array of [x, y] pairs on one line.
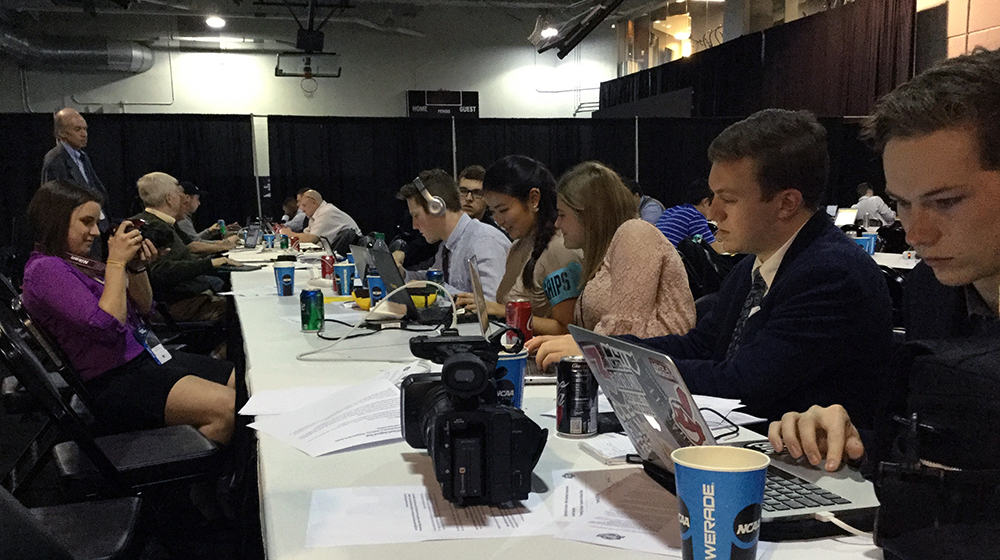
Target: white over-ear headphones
[[435, 204]]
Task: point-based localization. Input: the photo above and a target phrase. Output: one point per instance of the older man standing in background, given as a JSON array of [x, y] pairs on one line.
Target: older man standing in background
[[69, 162]]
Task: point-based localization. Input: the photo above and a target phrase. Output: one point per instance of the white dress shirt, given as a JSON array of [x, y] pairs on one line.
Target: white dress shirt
[[328, 220]]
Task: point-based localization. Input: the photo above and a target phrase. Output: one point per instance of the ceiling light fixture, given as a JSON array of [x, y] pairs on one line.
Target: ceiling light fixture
[[215, 22]]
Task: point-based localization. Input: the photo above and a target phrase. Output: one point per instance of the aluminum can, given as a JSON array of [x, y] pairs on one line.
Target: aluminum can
[[327, 262], [284, 241], [519, 316], [311, 306], [576, 398], [435, 275], [222, 228]]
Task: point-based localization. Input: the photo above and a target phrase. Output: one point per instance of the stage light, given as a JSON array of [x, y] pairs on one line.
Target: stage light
[[549, 32]]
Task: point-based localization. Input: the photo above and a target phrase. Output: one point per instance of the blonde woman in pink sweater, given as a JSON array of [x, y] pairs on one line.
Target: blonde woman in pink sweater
[[633, 278]]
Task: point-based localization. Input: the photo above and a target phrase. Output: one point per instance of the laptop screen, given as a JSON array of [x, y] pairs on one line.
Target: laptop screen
[[845, 216], [648, 394], [477, 292]]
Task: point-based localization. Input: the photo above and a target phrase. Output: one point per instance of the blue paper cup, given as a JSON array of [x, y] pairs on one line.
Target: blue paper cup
[[719, 494], [269, 240], [284, 279], [345, 277], [510, 388]]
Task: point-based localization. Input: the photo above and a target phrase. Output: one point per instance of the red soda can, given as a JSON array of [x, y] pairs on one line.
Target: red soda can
[[519, 316], [327, 262]]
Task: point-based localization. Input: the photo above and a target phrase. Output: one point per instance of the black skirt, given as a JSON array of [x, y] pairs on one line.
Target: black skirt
[[133, 396]]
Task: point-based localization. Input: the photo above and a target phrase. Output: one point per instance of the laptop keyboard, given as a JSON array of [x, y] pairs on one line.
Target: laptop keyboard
[[784, 491]]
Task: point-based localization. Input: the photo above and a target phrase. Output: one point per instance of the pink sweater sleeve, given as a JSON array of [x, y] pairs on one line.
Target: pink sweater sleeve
[[650, 294]]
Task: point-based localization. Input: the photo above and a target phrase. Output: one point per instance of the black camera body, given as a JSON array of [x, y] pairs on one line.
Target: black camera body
[[483, 451]]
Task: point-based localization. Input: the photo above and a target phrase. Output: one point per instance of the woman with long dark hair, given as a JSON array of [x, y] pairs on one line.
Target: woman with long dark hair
[[95, 311], [521, 193]]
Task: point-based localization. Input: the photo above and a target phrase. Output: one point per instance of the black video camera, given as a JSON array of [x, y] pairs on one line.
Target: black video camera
[[483, 450]]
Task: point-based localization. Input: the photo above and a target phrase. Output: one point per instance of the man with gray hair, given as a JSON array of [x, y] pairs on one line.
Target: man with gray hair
[[69, 162], [325, 219], [187, 284]]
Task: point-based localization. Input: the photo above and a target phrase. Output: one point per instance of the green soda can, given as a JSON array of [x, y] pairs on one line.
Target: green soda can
[[284, 241], [311, 305]]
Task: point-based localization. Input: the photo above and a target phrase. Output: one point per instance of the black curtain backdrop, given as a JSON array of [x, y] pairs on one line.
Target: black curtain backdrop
[[24, 139], [358, 164], [673, 153], [558, 143], [834, 63], [213, 151]]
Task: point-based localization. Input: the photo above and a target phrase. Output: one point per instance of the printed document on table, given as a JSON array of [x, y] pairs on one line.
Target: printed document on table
[[280, 401], [400, 514], [634, 514], [576, 492], [357, 415]]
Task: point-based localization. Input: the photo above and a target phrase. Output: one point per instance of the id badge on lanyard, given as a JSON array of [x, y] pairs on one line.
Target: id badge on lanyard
[[152, 344]]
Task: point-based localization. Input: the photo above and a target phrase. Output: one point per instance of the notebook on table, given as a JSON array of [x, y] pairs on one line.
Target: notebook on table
[[659, 415]]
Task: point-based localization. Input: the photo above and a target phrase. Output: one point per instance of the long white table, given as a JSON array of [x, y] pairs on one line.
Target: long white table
[[287, 477], [895, 260]]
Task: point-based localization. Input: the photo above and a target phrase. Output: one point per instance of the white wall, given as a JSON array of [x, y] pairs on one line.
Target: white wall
[[477, 49]]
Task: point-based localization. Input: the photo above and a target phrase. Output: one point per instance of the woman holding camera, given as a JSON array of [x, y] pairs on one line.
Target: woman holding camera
[[95, 312], [633, 279], [521, 193]]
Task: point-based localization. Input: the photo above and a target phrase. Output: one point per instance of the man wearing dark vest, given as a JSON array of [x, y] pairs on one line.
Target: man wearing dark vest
[[69, 162]]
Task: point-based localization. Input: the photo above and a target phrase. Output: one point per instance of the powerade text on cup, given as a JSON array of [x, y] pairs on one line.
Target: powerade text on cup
[[719, 495]]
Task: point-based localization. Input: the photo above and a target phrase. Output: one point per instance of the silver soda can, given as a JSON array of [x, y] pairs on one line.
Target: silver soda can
[[576, 398]]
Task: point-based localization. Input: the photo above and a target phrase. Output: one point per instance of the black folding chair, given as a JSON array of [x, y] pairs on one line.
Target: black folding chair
[[110, 465], [99, 530]]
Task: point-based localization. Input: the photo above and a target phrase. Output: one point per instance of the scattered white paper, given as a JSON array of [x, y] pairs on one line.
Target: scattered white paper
[[252, 292], [725, 407], [399, 514], [578, 491], [280, 401], [358, 415], [396, 375], [634, 514], [610, 448]]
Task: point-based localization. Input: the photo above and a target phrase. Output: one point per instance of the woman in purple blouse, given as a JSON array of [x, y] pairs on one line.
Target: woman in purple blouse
[[95, 311]]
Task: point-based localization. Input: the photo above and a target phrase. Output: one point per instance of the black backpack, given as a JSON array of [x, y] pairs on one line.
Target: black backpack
[[940, 493]]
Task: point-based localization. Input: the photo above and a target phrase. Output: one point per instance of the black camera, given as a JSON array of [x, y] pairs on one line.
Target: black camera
[[483, 449]]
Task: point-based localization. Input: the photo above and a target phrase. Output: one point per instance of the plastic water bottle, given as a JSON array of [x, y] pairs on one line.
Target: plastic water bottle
[[376, 286]]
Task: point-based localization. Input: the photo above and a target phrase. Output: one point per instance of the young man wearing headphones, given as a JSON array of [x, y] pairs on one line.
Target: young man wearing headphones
[[436, 210]]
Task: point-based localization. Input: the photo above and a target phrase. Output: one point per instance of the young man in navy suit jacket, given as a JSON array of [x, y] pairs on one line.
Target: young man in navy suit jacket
[[818, 325]]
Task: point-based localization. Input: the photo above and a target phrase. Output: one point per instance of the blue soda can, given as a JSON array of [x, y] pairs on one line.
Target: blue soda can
[[376, 288], [311, 306], [435, 275], [222, 228]]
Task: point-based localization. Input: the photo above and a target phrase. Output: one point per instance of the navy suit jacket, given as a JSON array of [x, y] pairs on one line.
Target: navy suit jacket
[[58, 164], [822, 334]]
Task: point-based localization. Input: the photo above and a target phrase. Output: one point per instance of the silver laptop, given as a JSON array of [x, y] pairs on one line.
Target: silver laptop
[[654, 406]]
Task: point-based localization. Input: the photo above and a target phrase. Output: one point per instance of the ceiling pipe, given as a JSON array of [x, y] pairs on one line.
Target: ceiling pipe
[[82, 54]]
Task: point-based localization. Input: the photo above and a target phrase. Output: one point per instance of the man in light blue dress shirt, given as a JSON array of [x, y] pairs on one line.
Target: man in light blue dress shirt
[[463, 237]]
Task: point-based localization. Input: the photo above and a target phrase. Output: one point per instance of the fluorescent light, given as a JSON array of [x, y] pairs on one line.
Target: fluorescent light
[[549, 32], [215, 22], [682, 35]]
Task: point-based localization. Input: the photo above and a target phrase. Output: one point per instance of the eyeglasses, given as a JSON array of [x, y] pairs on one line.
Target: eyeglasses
[[464, 192]]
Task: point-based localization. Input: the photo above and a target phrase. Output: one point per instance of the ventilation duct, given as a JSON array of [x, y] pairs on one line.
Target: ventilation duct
[[82, 54]]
